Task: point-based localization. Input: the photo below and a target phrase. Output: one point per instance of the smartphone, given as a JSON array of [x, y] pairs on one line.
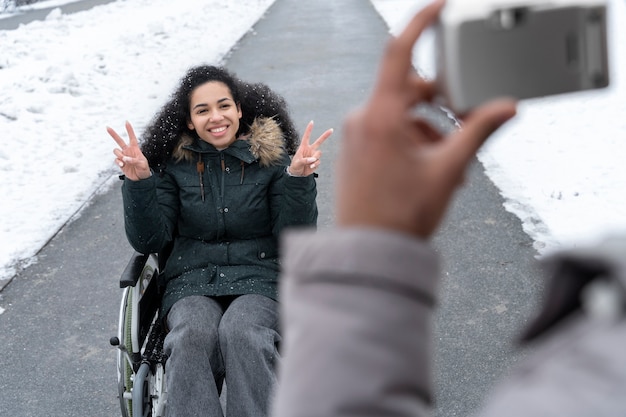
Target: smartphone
[[521, 49]]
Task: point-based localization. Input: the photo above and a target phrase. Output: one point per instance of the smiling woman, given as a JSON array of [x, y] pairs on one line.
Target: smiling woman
[[217, 178], [214, 114]]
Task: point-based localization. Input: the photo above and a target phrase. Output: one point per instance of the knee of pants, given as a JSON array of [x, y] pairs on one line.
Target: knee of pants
[[243, 338], [191, 335], [192, 329]]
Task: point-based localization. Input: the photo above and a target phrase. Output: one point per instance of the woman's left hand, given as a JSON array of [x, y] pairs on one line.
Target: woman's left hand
[[307, 157]]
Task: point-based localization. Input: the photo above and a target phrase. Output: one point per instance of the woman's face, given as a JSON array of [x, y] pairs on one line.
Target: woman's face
[[214, 114]]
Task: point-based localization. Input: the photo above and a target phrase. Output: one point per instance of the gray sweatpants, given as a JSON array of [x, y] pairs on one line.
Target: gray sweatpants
[[210, 341]]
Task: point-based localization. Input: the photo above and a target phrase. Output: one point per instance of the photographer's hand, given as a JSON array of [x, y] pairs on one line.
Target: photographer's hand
[[395, 171]]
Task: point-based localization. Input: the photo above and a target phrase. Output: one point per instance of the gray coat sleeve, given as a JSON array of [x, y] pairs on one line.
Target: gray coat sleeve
[[357, 309]]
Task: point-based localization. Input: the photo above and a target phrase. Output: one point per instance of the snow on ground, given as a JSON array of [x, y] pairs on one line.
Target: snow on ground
[[64, 79]]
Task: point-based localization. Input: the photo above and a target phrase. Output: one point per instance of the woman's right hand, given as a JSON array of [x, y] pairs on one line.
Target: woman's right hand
[[129, 157]]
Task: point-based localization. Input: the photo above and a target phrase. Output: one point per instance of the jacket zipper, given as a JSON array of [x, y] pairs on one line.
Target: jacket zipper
[[200, 169], [223, 164]]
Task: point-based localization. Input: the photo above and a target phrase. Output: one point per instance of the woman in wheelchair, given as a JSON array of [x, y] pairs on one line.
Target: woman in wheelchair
[[219, 174]]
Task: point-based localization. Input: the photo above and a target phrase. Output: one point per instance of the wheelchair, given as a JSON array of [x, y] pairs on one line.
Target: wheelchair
[[139, 341]]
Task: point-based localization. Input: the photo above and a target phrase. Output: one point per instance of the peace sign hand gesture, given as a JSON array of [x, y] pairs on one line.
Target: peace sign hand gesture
[[129, 157], [307, 158]]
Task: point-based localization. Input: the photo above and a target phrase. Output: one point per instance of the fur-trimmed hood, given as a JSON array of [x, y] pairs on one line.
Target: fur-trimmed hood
[[265, 143]]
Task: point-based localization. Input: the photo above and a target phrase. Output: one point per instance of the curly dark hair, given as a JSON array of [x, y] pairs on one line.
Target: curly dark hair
[[256, 100]]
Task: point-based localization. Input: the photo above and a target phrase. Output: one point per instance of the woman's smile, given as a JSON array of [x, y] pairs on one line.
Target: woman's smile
[[219, 131]]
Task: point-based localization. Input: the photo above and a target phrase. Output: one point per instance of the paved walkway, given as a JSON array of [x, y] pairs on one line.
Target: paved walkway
[[16, 20], [322, 56]]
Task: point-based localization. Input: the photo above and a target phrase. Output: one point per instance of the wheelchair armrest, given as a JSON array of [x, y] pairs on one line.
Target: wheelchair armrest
[[132, 272]]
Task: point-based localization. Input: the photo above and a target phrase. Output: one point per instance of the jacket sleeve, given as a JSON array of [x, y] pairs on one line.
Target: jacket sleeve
[[356, 310], [150, 212], [293, 201]]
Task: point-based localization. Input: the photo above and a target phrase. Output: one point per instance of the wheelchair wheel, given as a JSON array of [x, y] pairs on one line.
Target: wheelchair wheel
[[124, 366], [140, 358], [149, 397]]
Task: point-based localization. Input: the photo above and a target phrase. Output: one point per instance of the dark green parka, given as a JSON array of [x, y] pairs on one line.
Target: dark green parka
[[222, 217]]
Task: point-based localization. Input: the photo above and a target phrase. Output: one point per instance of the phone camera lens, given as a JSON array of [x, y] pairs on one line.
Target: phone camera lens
[[507, 19]]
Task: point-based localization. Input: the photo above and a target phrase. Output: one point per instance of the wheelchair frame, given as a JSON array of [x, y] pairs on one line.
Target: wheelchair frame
[[140, 357]]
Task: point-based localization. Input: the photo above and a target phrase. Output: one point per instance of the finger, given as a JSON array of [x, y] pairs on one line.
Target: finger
[[120, 142], [118, 154], [425, 131], [118, 157], [311, 159], [131, 135], [307, 134], [318, 142], [131, 161], [396, 62], [317, 155], [421, 90], [479, 125]]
